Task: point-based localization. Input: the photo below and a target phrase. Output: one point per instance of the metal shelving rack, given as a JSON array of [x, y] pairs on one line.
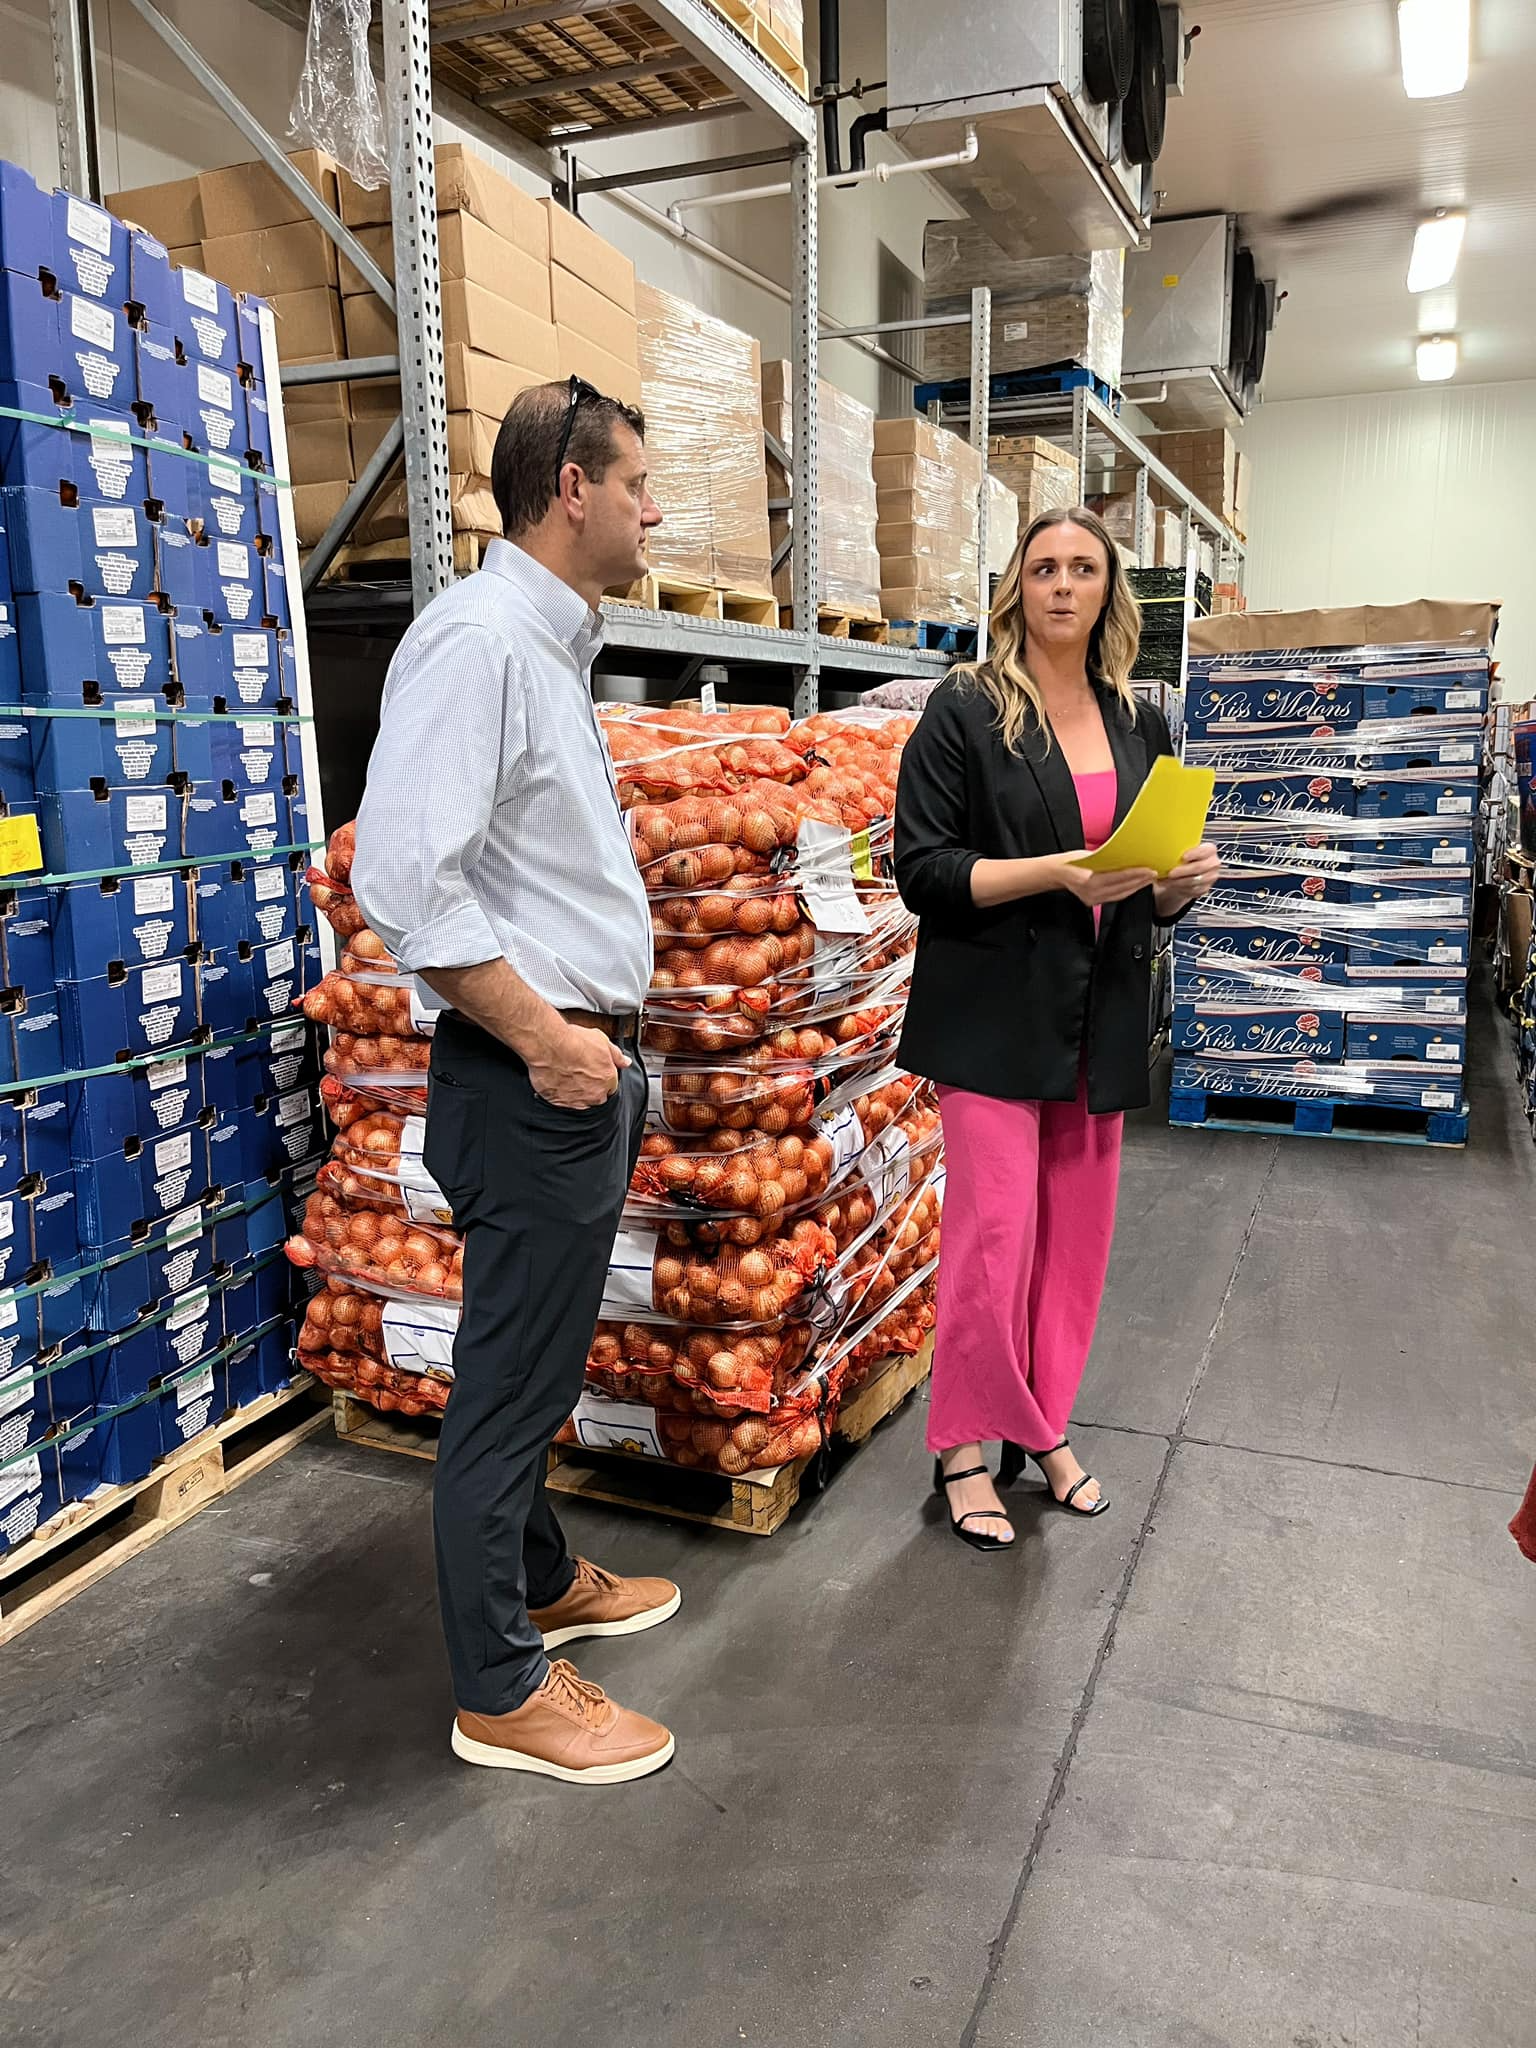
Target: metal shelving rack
[[638, 68]]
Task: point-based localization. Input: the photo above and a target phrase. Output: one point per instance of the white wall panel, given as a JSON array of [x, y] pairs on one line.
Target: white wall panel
[[1388, 496]]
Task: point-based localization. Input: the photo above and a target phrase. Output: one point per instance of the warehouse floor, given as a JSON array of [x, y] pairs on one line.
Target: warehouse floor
[[1251, 1760]]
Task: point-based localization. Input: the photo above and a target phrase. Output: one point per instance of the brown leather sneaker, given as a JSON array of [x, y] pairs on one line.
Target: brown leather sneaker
[[599, 1604], [569, 1729]]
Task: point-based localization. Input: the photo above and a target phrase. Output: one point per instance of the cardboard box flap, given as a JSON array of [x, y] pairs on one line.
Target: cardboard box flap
[[1429, 620]]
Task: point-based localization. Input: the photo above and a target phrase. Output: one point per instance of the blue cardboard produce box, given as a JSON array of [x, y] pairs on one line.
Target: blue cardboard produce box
[[80, 346], [31, 1035], [162, 383], [246, 900], [274, 574], [129, 1011], [90, 249], [244, 821], [288, 1130], [127, 746], [106, 551], [131, 920], [252, 983], [258, 1292], [1446, 846], [282, 1059], [87, 831], [111, 1113], [90, 447], [53, 1219], [75, 654], [151, 292], [1251, 1032], [259, 670], [258, 427], [44, 1128], [143, 1180], [1421, 893], [1386, 1036], [191, 1401], [180, 577], [1404, 689], [205, 321], [233, 588], [249, 753], [1261, 795], [215, 411], [248, 309], [1419, 945], [201, 658], [1249, 696], [136, 1273], [1299, 952], [265, 1367], [1413, 793], [29, 1494], [229, 501], [13, 1163], [113, 1437], [15, 1236], [1461, 753]]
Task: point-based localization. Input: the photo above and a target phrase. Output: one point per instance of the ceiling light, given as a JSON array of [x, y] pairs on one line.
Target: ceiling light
[[1436, 39], [1437, 359], [1436, 247]]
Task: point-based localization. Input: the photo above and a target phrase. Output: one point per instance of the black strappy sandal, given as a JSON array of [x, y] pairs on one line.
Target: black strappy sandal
[[978, 1539], [1012, 1464]]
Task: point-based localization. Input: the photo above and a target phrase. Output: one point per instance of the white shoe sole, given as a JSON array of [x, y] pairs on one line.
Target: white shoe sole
[[636, 1625], [472, 1752]]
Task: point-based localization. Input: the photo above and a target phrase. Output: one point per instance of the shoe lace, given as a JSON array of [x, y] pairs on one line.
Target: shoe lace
[[595, 1575], [580, 1695]]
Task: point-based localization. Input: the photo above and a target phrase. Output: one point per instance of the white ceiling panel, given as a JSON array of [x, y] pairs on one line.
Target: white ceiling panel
[[1294, 117]]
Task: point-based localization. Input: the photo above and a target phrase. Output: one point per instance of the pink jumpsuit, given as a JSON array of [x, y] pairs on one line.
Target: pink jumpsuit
[[1029, 1214]]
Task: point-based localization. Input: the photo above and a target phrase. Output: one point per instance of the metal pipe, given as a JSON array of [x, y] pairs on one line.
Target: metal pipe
[[827, 85], [879, 173], [830, 328], [865, 125], [298, 187], [352, 370], [906, 326], [667, 174], [378, 465]]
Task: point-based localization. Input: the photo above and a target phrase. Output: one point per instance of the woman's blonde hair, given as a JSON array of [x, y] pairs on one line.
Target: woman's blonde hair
[[1112, 645]]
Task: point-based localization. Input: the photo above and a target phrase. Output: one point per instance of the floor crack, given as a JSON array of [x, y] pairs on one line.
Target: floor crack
[[997, 1947]]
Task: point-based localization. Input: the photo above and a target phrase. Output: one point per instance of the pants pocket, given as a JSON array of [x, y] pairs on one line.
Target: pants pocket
[[453, 1148]]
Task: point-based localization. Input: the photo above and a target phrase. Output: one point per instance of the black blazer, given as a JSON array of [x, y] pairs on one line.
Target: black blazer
[[1004, 1000]]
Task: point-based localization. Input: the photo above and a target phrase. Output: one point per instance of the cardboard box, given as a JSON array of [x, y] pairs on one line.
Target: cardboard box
[[322, 454], [173, 213], [473, 317], [482, 383], [466, 183], [467, 248], [471, 440], [1436, 621], [274, 261], [1167, 541], [366, 434], [850, 566], [587, 312], [309, 327], [574, 246], [243, 198], [576, 356]]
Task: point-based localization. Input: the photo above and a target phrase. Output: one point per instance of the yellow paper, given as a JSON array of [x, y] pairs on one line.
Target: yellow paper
[[21, 850], [1165, 821]]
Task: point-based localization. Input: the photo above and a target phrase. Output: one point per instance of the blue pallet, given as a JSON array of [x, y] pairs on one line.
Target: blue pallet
[[1050, 380], [1317, 1117], [933, 638]]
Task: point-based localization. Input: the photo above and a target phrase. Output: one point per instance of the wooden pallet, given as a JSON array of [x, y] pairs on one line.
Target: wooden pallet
[[93, 1537], [658, 592], [837, 623], [774, 48], [383, 561], [755, 1505], [1381, 1123]]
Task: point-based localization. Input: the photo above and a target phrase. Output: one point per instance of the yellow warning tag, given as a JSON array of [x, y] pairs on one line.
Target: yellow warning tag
[[21, 850], [863, 866], [1170, 280]]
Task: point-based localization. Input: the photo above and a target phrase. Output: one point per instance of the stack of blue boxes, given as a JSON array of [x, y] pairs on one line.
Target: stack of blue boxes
[[1329, 967], [158, 1088]]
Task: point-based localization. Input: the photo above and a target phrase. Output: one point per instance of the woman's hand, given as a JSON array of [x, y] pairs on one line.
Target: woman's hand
[[1096, 890], [1194, 877]]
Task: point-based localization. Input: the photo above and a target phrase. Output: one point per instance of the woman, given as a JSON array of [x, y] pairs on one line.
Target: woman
[[1030, 999]]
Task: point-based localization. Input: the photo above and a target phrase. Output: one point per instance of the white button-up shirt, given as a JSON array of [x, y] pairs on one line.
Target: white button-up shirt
[[490, 825]]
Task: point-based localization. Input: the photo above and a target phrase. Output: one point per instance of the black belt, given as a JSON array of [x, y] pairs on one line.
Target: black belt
[[613, 1028]]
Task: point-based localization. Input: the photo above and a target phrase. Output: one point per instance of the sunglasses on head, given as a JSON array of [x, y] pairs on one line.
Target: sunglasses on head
[[579, 389]]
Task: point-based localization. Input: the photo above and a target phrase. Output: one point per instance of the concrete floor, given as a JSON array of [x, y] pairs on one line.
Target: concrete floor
[[1252, 1760]]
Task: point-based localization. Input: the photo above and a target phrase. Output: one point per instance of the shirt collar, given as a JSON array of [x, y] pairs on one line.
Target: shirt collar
[[565, 611]]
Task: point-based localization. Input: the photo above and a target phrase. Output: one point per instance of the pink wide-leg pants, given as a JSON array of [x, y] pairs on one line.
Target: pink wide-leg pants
[[1029, 1213]]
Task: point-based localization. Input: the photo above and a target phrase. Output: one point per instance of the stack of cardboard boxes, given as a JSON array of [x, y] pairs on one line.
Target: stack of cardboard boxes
[[850, 563], [1207, 461], [701, 389], [927, 500], [1045, 309], [1043, 477]]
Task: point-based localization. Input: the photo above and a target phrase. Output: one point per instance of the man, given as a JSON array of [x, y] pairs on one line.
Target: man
[[494, 861]]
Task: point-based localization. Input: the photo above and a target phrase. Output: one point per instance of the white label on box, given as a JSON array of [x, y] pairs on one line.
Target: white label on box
[[1458, 753], [251, 650], [708, 701], [198, 290], [234, 560], [289, 1038], [93, 323], [215, 387], [279, 960], [122, 624], [10, 1315], [1015, 330], [418, 1337], [888, 1165], [1447, 857], [145, 813], [115, 526], [185, 1226], [154, 895], [270, 884], [1450, 1054], [629, 1287], [259, 808], [223, 476], [1437, 1098], [174, 1155], [841, 1127], [1454, 806], [197, 1386], [606, 1425], [89, 224], [1463, 700], [257, 732], [18, 1480], [1445, 956], [188, 1309], [824, 877], [1443, 1006], [168, 1074], [425, 1201], [292, 1109], [163, 984], [423, 1020], [7, 1221], [135, 718]]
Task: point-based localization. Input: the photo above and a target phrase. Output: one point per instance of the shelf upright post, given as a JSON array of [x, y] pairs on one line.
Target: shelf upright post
[[407, 44], [981, 405], [805, 513], [74, 96], [1143, 509]]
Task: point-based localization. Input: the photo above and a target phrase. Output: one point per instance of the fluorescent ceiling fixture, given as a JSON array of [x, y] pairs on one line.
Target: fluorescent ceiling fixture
[[1436, 39], [1436, 248], [1437, 359]]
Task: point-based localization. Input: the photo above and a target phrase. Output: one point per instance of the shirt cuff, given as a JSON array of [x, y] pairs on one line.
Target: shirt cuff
[[459, 938]]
